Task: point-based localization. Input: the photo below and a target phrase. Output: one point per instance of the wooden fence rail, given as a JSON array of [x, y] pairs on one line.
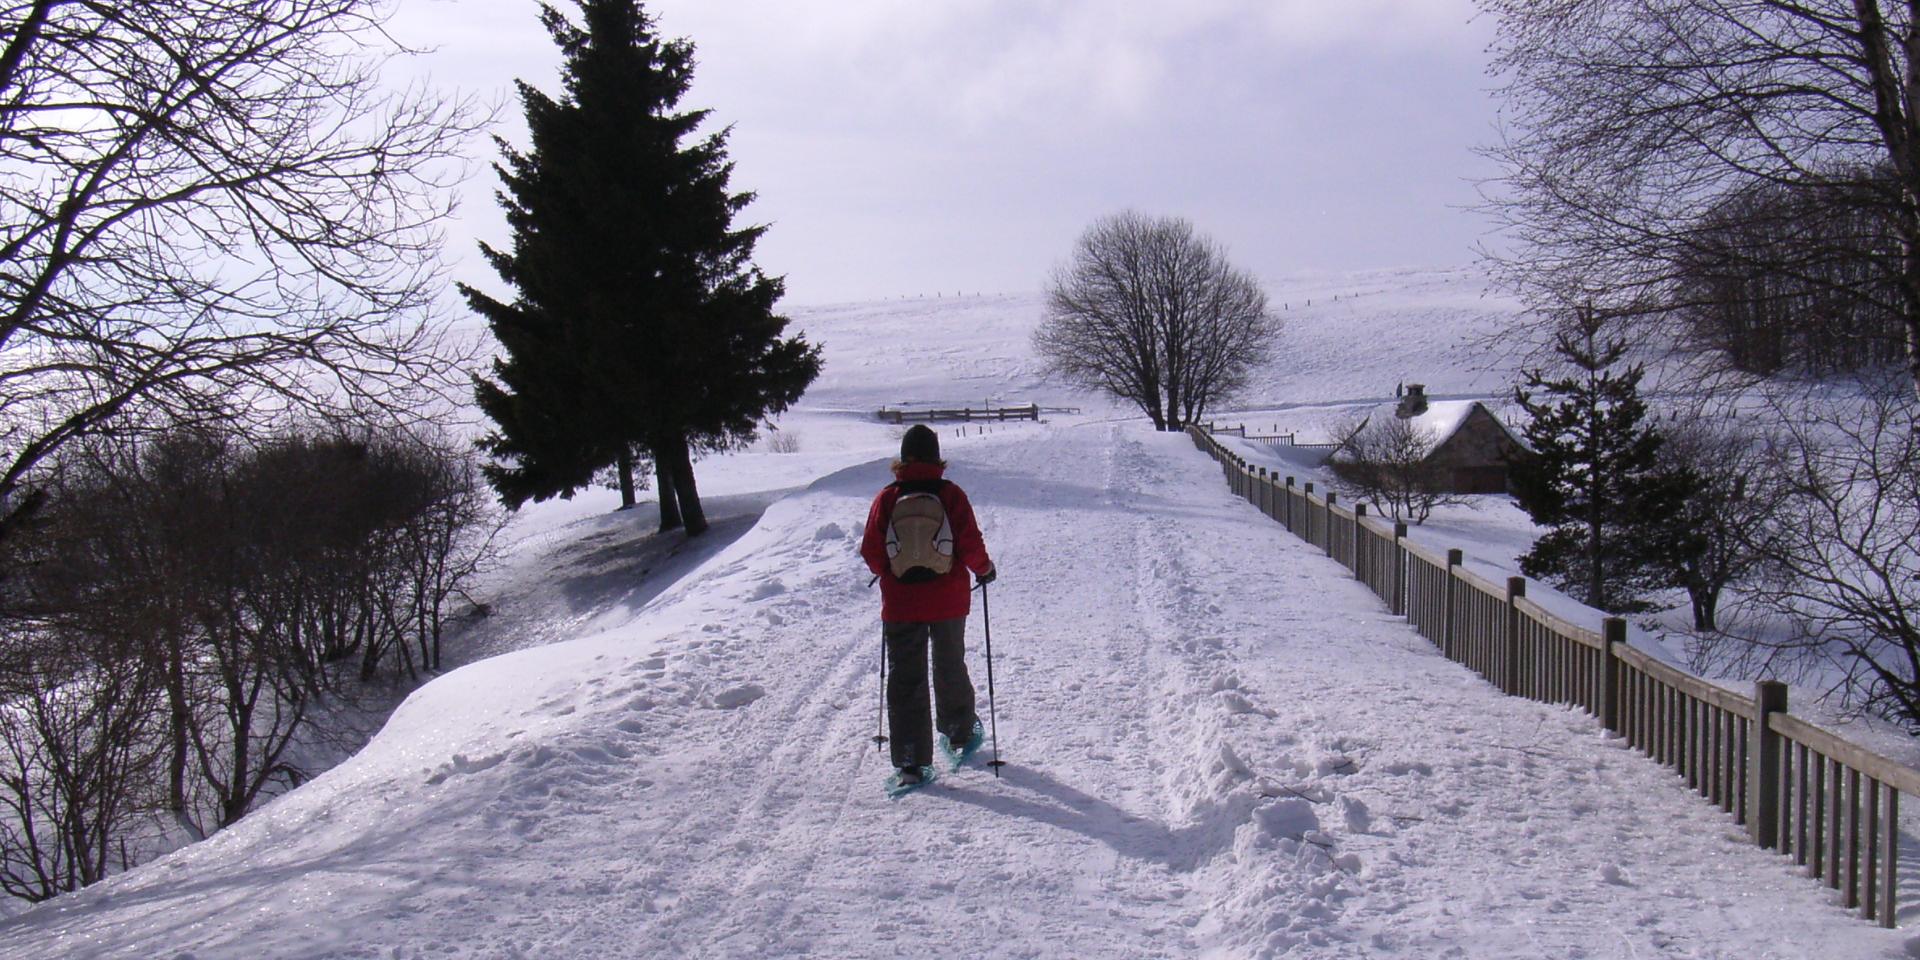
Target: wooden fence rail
[[1831, 805], [1267, 439], [968, 414]]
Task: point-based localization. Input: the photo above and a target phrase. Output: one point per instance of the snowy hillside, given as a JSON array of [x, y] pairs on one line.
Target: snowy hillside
[[1220, 745]]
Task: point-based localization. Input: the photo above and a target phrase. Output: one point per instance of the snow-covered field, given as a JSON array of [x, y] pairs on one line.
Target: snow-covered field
[[1220, 745]]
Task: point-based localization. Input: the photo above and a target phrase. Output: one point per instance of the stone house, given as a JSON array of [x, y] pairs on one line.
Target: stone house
[[1470, 446]]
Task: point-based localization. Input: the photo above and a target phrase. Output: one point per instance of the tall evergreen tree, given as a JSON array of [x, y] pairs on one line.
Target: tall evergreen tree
[[640, 322], [1596, 478]]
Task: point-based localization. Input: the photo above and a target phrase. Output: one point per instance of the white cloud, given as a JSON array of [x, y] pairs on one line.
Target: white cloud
[[906, 145], [977, 62]]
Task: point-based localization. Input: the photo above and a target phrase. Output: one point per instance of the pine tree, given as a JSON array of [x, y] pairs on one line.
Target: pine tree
[[1596, 479], [640, 322]]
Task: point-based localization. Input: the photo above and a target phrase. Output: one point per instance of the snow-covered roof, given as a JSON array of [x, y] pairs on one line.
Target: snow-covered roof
[[1442, 418]]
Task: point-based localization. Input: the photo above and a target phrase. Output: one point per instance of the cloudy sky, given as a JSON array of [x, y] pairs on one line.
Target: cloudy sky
[[904, 147]]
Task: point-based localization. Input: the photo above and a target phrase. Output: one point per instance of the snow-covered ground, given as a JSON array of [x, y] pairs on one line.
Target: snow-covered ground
[[1220, 745]]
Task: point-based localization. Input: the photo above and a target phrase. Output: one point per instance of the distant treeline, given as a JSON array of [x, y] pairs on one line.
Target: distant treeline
[[1798, 277]]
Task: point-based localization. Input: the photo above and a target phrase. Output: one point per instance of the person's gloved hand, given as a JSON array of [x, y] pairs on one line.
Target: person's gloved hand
[[988, 577]]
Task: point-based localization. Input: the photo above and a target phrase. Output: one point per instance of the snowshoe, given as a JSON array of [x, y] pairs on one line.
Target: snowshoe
[[958, 754], [908, 779]]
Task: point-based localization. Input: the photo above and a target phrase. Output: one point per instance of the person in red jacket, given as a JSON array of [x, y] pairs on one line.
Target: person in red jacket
[[924, 596]]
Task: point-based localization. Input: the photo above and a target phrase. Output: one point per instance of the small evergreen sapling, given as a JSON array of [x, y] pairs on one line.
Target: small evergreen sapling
[[1597, 480]]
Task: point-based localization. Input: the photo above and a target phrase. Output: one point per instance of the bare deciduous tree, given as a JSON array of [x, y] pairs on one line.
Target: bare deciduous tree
[[1845, 548], [1731, 514], [1150, 312], [210, 208], [1630, 120], [1794, 278], [1382, 461], [205, 596], [78, 748]]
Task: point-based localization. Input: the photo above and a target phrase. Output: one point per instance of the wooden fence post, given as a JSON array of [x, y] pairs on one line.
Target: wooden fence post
[[1306, 503], [1328, 527], [1516, 588], [1359, 557], [1613, 631], [1763, 765], [1454, 559], [1399, 578], [1260, 491], [1890, 860], [1288, 522]]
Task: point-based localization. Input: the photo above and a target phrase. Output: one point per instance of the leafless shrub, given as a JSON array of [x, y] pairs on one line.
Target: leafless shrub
[[234, 587], [1843, 553], [79, 719], [783, 441], [1382, 461], [1731, 515]]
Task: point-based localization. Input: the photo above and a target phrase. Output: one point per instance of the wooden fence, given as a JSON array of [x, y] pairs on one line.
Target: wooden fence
[[1831, 805], [968, 414], [1270, 439]]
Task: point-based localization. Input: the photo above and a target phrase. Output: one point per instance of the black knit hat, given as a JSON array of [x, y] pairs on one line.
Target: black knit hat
[[920, 444]]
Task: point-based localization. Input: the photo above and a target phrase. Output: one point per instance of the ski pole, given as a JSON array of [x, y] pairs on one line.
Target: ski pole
[[880, 712], [986, 618]]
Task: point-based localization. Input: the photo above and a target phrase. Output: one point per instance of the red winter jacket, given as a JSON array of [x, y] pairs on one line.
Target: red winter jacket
[[942, 598]]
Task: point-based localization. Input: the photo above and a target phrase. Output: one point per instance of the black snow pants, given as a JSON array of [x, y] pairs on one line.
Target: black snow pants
[[909, 723]]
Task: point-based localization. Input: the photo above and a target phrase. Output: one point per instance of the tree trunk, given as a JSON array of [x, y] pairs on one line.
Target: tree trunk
[[691, 513], [1706, 603], [1892, 94], [179, 716], [669, 497], [1596, 576], [625, 465]]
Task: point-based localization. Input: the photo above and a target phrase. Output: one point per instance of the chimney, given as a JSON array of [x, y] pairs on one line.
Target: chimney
[[1413, 403]]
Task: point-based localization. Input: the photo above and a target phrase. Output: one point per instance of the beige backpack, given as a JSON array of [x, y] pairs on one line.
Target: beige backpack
[[919, 539]]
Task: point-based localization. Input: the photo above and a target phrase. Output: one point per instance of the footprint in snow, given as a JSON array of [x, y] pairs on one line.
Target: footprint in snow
[[1337, 765], [1359, 819], [1237, 704], [461, 765], [734, 698], [1403, 768], [1290, 818]]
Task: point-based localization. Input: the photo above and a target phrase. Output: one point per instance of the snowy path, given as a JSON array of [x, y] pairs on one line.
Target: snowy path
[[1220, 746]]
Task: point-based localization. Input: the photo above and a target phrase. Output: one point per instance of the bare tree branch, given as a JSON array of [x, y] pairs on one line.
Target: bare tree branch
[[213, 208]]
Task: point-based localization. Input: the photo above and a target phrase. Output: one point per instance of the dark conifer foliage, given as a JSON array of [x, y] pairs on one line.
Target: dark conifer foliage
[[640, 322], [1597, 479]]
